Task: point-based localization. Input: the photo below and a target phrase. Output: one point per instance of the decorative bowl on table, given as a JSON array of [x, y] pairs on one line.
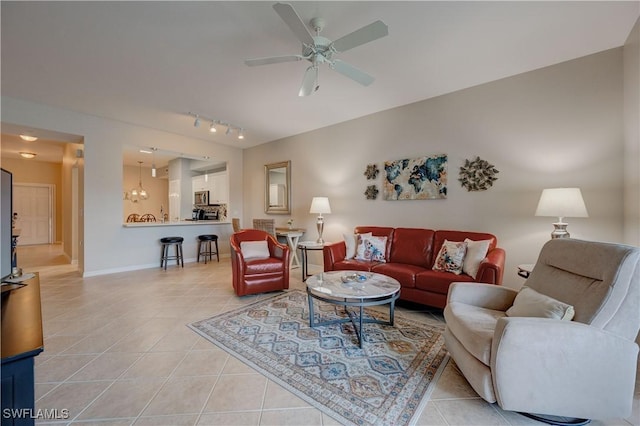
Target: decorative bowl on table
[[353, 278]]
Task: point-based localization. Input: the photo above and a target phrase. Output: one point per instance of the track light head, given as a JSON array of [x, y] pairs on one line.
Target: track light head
[[213, 125]]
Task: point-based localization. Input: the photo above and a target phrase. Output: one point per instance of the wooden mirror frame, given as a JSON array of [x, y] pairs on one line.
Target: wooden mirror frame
[[271, 206]]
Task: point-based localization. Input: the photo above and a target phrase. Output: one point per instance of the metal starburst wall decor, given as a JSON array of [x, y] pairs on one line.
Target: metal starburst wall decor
[[477, 175]]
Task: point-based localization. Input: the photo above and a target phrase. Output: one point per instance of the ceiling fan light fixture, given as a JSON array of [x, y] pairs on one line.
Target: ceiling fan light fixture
[[317, 49], [28, 155], [28, 138]]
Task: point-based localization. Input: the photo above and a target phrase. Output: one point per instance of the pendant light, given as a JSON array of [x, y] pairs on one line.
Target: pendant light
[[139, 193]]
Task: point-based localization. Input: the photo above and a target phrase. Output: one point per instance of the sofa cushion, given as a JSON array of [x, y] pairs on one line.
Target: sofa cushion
[[473, 326], [476, 252], [405, 274], [450, 257], [263, 266], [438, 282], [354, 265], [372, 248], [412, 246], [530, 303]]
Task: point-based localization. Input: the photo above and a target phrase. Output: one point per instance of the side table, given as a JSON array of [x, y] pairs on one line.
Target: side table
[[524, 270], [292, 235], [304, 246]]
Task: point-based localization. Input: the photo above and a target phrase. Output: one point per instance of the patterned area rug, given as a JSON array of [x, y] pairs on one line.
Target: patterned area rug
[[387, 382]]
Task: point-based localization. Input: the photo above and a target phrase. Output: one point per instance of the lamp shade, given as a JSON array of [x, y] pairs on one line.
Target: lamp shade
[[561, 202], [320, 205]]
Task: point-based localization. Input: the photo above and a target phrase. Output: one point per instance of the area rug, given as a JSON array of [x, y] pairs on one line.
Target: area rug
[[387, 382]]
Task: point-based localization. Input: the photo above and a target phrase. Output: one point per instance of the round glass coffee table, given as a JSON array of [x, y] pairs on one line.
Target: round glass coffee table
[[352, 289]]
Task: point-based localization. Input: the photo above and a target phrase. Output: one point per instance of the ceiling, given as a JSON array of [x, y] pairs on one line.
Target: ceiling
[[151, 63]]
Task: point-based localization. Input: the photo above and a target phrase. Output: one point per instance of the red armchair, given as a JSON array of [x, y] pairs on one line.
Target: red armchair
[[252, 276]]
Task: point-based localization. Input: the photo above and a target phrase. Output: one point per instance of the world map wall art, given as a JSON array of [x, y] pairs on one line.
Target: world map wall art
[[423, 178]]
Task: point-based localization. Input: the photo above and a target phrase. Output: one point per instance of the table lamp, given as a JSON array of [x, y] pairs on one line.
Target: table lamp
[[320, 205], [561, 202]]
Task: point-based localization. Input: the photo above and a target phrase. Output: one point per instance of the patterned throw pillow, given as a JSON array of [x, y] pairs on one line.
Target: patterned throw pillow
[[373, 249], [451, 257], [351, 242], [359, 255]]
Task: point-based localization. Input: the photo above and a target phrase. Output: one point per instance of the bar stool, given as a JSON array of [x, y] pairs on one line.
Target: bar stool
[[166, 243], [206, 241]]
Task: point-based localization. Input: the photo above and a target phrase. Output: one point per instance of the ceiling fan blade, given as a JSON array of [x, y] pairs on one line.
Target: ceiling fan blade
[[352, 72], [272, 60], [293, 21], [359, 37], [309, 81]]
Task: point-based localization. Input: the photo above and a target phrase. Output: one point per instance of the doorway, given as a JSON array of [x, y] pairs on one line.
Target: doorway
[[34, 213]]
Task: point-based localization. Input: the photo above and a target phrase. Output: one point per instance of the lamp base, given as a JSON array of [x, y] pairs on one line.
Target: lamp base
[[320, 226], [560, 230]]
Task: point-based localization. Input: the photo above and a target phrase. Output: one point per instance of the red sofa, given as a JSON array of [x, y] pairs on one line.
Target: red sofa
[[410, 254]]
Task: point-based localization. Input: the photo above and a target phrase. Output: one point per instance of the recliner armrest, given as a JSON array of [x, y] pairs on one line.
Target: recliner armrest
[[483, 295], [564, 368]]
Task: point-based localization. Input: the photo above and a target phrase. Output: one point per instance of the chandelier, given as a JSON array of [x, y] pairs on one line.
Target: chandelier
[[139, 193]]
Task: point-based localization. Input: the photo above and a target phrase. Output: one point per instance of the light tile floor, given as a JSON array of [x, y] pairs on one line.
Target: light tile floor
[[118, 352]]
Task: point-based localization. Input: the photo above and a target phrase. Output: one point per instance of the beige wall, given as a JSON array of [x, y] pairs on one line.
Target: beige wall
[[40, 172], [632, 136], [553, 127]]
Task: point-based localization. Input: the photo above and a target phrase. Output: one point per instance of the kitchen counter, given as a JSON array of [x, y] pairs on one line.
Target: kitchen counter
[[180, 223]]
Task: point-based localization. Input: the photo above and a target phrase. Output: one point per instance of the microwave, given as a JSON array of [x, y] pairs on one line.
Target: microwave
[[201, 198]]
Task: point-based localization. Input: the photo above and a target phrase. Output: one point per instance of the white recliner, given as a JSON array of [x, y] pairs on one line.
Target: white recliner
[[583, 368]]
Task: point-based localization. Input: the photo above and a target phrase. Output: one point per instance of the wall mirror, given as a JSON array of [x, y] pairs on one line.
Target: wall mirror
[[277, 194]]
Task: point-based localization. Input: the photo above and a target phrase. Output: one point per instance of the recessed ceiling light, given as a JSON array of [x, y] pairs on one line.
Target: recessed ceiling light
[[28, 138], [27, 154]]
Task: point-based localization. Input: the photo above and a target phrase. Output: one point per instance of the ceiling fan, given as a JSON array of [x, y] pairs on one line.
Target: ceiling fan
[[317, 49]]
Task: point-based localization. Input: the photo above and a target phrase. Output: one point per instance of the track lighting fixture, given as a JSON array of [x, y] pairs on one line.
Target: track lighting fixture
[[213, 125], [28, 138]]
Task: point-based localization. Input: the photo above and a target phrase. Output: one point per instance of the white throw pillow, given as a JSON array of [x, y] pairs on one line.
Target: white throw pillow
[[254, 249], [351, 242], [373, 249], [450, 257], [476, 252], [359, 246], [530, 303]]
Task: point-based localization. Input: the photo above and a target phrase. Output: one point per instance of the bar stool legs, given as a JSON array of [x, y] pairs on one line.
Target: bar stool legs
[[166, 243], [207, 251]]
